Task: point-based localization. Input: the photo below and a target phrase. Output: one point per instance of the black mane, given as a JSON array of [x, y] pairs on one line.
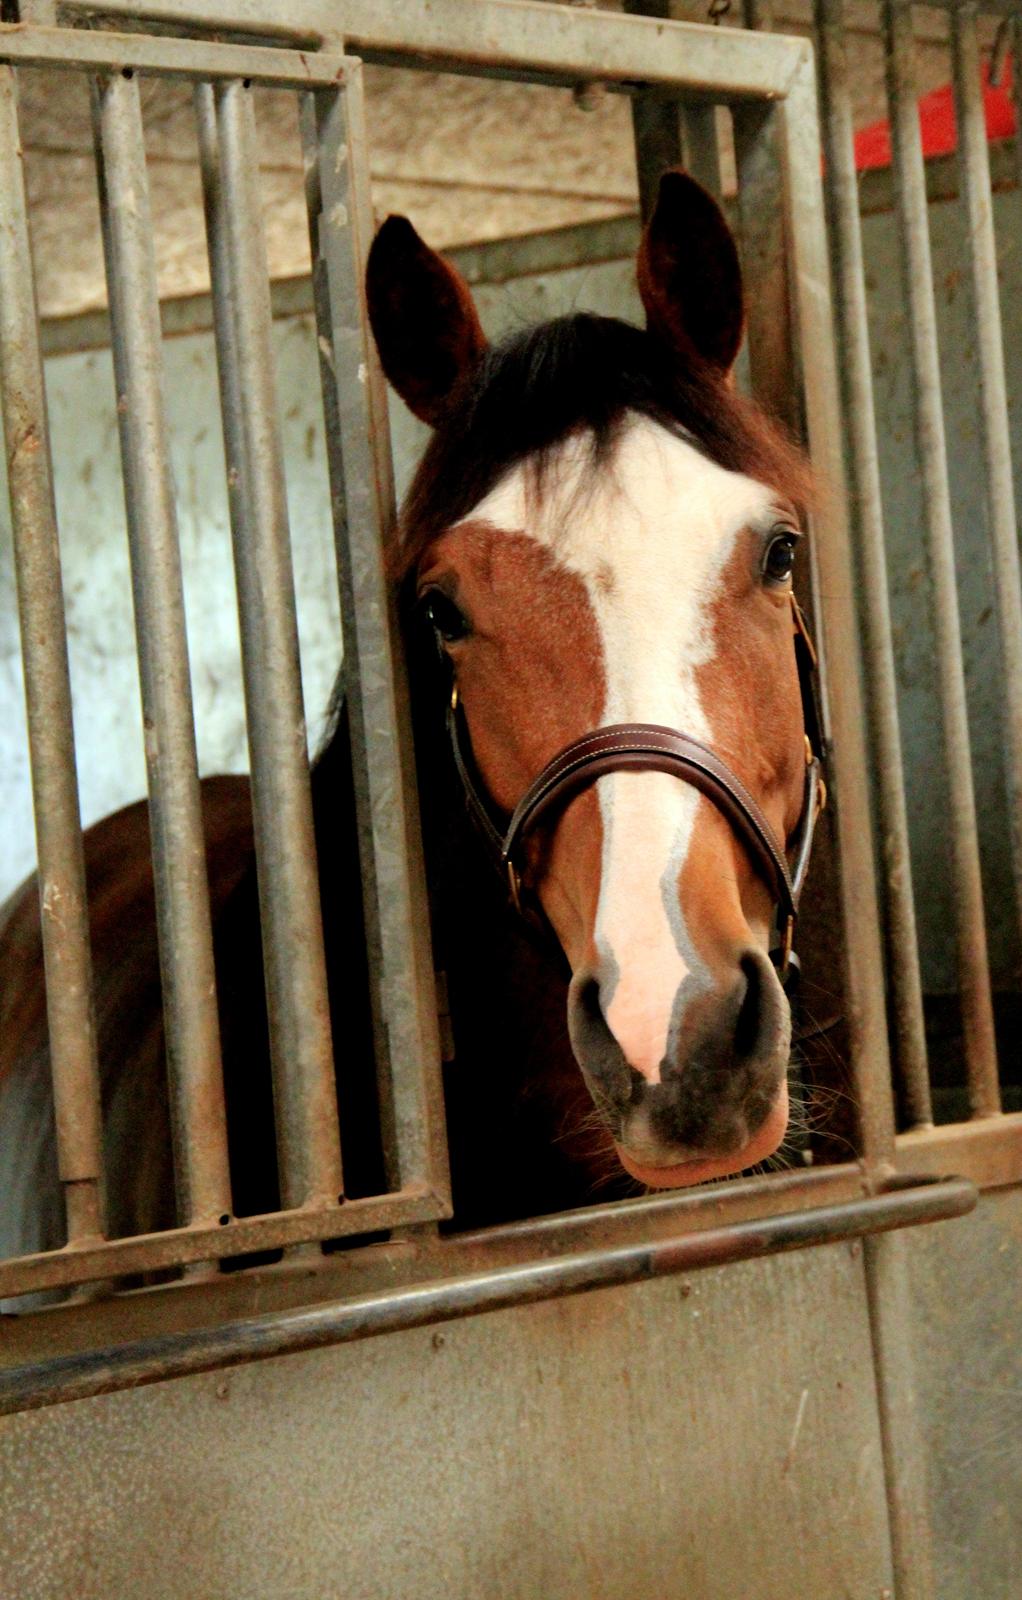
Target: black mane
[[581, 373]]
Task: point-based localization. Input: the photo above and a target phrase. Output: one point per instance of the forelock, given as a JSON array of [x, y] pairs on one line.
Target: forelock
[[581, 374]]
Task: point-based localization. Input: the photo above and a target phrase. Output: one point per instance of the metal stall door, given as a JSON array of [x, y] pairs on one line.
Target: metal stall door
[[748, 1474], [226, 80]]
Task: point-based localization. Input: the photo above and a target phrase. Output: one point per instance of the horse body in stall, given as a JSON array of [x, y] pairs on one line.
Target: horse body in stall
[[601, 531]]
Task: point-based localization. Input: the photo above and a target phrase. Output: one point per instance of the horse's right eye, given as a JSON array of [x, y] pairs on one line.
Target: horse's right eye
[[444, 617]]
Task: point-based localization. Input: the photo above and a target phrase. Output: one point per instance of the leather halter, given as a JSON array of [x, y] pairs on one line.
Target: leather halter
[[648, 747]]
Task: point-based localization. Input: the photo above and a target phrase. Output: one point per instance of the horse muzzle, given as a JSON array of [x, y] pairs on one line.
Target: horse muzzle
[[717, 1099]]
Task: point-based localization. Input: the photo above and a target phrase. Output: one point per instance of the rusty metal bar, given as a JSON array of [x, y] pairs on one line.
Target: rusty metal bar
[[179, 854], [181, 1247], [402, 1260], [970, 927], [63, 909], [77, 1377], [305, 1095], [834, 567], [358, 455], [1016, 97], [867, 510], [989, 1151], [974, 165]]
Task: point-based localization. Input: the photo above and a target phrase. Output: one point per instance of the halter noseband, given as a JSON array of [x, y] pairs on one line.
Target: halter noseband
[[648, 747]]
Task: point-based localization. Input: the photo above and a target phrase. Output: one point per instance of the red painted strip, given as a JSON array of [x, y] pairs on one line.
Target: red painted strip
[[937, 122]]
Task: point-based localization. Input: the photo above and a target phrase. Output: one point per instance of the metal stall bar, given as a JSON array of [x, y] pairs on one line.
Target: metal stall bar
[[175, 809], [298, 1007], [970, 928], [1016, 96], [834, 565], [974, 162], [864, 473], [547, 1276], [64, 916], [362, 497], [528, 40]]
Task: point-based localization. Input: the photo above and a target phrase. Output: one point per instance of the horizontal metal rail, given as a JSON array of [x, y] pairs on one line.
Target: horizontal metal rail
[[527, 39], [170, 58], [128, 1366], [408, 1258], [179, 1247]]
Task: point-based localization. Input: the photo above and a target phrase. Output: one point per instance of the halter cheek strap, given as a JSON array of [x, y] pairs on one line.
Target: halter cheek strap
[[649, 747]]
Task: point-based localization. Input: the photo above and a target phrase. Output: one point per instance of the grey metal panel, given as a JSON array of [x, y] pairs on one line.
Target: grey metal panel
[[965, 1286], [696, 1439]]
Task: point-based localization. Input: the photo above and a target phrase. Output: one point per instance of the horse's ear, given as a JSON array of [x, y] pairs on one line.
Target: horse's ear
[[423, 319], [690, 279]]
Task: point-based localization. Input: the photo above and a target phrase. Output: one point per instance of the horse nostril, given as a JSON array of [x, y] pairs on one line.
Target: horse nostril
[[750, 1013], [588, 996], [613, 1082]]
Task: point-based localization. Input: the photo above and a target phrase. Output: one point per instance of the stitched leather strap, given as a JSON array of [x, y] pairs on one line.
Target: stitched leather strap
[[648, 747]]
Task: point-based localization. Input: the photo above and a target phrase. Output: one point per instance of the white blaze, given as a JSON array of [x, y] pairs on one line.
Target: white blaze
[[649, 535]]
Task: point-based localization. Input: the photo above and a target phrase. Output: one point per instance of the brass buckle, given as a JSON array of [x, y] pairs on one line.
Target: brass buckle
[[821, 782], [787, 938]]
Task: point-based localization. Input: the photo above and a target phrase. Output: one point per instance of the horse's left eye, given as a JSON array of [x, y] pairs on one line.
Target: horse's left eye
[[780, 557], [444, 616]]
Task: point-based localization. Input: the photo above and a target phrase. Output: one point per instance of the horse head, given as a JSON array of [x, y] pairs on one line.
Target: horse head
[[602, 532]]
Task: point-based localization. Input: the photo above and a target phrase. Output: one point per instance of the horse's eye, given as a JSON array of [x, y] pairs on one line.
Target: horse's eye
[[444, 617], [780, 557]]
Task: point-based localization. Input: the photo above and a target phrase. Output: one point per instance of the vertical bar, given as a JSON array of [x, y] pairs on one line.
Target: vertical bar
[[63, 909], [867, 510], [656, 131], [1016, 99], [837, 613], [175, 806], [892, 1318], [974, 164], [773, 356], [305, 1093], [891, 1326], [358, 450], [670, 132], [773, 362], [970, 927]]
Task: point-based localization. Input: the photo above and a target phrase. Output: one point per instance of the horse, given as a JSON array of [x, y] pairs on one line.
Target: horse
[[600, 537]]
